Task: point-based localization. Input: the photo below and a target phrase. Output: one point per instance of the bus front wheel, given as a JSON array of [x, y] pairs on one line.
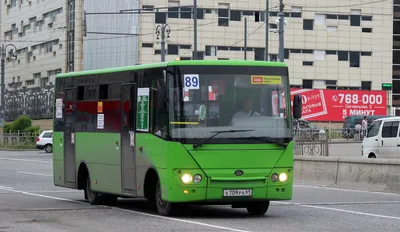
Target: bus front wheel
[[258, 208], [164, 208]]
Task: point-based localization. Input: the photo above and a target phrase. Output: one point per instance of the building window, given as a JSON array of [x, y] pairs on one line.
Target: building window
[[367, 30], [396, 57], [308, 63], [355, 18], [396, 27], [366, 18], [308, 24], [331, 16], [211, 51], [366, 53], [355, 59], [173, 10], [71, 36], [366, 85], [235, 15], [173, 49], [147, 45], [343, 17], [320, 19], [223, 15], [185, 13], [160, 17], [343, 56], [307, 84], [296, 12], [319, 55]]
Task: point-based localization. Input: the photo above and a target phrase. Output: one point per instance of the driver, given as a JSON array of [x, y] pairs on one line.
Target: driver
[[247, 109]]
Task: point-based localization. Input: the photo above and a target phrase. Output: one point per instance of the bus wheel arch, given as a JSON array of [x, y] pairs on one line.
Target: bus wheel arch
[[372, 156], [83, 174], [150, 182]]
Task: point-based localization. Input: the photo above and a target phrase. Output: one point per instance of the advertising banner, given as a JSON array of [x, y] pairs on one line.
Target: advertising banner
[[336, 105]]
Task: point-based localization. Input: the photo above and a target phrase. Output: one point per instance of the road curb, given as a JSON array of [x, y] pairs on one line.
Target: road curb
[[9, 149]]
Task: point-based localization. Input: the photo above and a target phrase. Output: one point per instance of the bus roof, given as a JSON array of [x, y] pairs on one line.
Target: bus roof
[[174, 63]]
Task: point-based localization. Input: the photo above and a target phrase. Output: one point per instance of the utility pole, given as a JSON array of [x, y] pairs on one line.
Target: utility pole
[[163, 29], [3, 61], [195, 29], [266, 58], [245, 38], [281, 32]]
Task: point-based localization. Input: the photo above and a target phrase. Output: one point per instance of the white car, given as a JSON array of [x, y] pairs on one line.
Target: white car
[[383, 139], [45, 141]]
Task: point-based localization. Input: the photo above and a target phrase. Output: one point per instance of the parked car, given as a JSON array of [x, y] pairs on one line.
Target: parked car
[[382, 139], [45, 141], [307, 130]]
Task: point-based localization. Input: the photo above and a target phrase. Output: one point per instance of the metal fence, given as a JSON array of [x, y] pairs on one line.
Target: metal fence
[[23, 140], [344, 134], [311, 143]]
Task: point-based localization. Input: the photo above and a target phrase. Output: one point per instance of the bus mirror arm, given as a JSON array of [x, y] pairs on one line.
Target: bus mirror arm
[[297, 106]]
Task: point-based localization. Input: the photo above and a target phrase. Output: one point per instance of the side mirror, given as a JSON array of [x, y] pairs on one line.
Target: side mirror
[[297, 106]]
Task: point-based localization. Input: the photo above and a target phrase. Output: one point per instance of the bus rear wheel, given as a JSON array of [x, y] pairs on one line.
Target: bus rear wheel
[[258, 208], [95, 198], [164, 208]]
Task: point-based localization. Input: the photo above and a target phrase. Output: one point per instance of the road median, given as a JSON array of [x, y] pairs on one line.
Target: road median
[[356, 173]]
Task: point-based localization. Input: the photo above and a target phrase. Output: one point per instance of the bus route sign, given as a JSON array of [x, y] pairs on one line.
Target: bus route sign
[[142, 123]]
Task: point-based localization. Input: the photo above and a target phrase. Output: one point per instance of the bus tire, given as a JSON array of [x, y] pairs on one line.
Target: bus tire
[[258, 208], [94, 198], [164, 208]]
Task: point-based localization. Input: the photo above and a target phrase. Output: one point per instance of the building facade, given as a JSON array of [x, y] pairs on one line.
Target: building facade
[[335, 44], [44, 35]]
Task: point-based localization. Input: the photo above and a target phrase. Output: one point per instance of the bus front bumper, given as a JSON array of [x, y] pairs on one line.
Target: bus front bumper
[[226, 191]]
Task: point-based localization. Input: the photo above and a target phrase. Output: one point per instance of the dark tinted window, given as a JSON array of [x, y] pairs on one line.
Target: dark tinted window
[[47, 135], [343, 56], [390, 129], [235, 15], [308, 24], [355, 59], [355, 20], [161, 18]]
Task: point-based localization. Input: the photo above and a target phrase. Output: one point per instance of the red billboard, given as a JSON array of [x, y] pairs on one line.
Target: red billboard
[[336, 105]]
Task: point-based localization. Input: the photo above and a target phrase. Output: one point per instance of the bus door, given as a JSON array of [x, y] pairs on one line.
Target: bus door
[[69, 138], [128, 159]]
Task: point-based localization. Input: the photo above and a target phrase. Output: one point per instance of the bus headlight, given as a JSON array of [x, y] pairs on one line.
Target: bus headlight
[[274, 177], [186, 178], [197, 178], [283, 177]]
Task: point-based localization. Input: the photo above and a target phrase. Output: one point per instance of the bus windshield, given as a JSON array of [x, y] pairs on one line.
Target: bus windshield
[[255, 101]]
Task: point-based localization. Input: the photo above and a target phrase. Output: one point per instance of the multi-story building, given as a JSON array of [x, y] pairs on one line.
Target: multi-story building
[[334, 44], [396, 57], [40, 31]]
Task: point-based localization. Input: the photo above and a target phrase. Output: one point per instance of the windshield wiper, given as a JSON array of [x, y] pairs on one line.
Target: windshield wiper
[[217, 133], [267, 140]]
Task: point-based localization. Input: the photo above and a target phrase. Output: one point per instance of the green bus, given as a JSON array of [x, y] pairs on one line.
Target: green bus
[[177, 133]]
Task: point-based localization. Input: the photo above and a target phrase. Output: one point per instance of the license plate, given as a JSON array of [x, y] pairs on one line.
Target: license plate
[[238, 192]]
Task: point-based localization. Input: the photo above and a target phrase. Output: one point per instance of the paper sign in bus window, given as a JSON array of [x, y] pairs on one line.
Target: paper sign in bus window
[[191, 81], [266, 80]]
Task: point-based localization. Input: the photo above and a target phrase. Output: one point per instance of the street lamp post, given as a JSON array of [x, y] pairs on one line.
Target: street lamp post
[[3, 52], [163, 29]]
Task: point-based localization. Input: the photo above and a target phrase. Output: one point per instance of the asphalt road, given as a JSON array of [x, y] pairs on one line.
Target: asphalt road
[[30, 202]]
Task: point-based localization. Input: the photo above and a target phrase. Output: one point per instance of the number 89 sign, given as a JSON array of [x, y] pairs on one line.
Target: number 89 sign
[[191, 81]]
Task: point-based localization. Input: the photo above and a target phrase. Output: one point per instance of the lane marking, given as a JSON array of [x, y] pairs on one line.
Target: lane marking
[[338, 210], [129, 211], [352, 212], [27, 160], [35, 174], [55, 191], [339, 203], [346, 190], [39, 195]]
